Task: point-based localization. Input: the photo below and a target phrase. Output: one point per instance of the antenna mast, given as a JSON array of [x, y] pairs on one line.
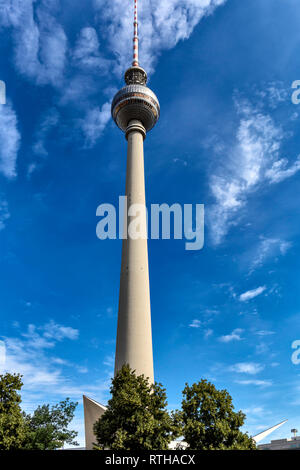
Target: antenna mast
[[135, 62]]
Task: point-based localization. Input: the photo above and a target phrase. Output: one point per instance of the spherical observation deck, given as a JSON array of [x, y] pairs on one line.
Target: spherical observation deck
[[135, 101]]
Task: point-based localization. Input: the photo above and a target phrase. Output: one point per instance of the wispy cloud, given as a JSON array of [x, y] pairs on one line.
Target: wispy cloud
[[48, 122], [58, 332], [27, 358], [266, 249], [4, 213], [274, 93], [262, 348], [251, 294], [235, 335], [44, 54], [264, 332], [203, 324], [64, 362], [253, 160], [109, 361], [2, 354], [40, 41], [94, 123], [251, 368], [207, 333], [9, 140], [255, 411], [163, 25], [195, 324], [44, 337], [258, 383], [281, 170], [35, 340], [86, 53], [30, 354]]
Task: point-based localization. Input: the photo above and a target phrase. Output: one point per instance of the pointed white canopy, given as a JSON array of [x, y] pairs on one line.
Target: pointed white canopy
[[92, 412], [259, 437]]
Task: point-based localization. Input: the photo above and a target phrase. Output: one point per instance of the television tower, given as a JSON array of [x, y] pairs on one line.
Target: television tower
[[135, 109]]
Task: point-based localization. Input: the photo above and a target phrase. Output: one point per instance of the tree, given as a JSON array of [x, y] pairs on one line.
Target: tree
[[12, 426], [136, 417], [208, 420], [47, 428]]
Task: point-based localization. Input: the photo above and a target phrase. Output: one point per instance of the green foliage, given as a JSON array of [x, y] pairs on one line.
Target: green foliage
[[208, 420], [136, 417], [48, 427], [12, 426]]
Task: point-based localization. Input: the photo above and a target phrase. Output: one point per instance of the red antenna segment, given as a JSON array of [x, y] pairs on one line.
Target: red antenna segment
[[135, 36]]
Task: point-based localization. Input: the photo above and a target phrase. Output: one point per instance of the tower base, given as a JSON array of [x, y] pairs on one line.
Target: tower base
[[92, 412]]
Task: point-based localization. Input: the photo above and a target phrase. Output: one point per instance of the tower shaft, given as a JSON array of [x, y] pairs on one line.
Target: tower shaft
[[134, 336]]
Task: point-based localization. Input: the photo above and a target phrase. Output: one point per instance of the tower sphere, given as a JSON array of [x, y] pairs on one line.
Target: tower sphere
[[135, 101]]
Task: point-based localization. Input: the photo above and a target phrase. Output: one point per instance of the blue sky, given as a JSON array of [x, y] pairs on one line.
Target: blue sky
[[228, 138]]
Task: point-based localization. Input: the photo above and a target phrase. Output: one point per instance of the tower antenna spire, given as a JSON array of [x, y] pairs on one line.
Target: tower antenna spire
[[135, 61]]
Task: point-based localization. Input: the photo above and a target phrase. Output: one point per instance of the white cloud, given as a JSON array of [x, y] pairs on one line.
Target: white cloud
[[258, 383], [2, 354], [94, 123], [208, 333], [262, 348], [109, 361], [251, 294], [276, 94], [48, 122], [40, 42], [195, 324], [35, 340], [44, 337], [78, 92], [247, 368], [28, 355], [253, 160], [4, 213], [268, 248], [86, 53], [12, 11], [60, 361], [59, 332], [273, 93], [255, 410], [264, 333], [64, 362], [234, 336], [280, 170], [31, 169], [162, 25], [9, 140], [43, 55]]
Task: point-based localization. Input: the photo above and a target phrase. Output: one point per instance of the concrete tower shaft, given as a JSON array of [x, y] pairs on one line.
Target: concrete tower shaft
[[134, 336]]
